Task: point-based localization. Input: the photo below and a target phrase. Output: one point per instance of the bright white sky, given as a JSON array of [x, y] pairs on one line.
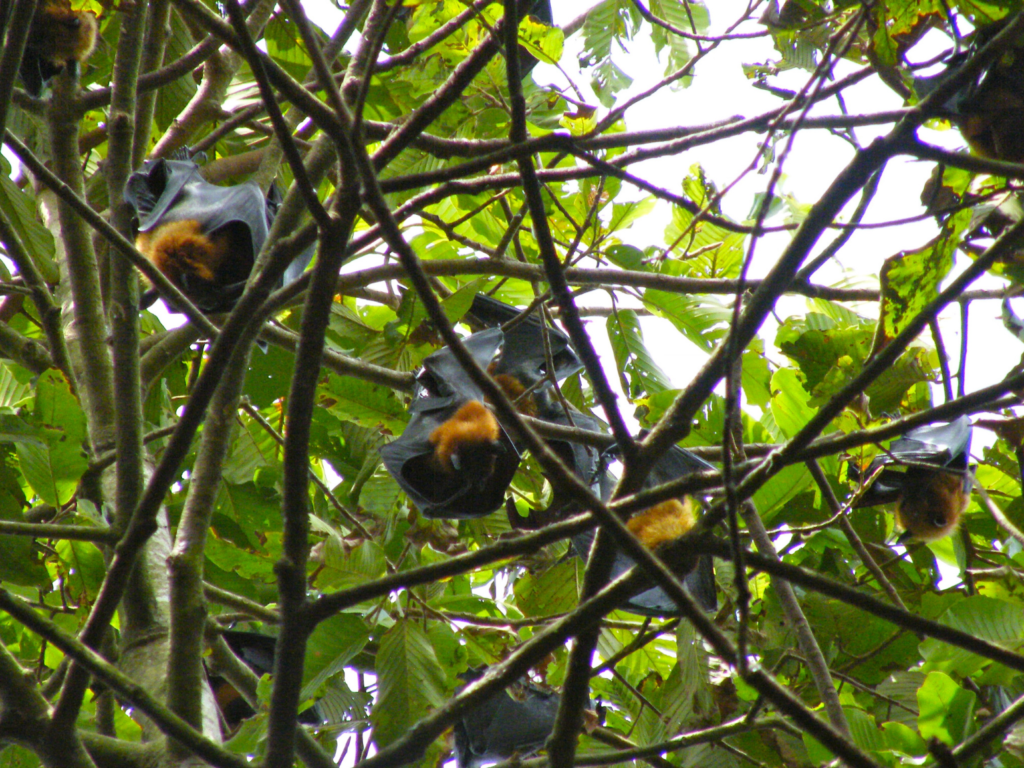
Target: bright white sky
[[721, 90]]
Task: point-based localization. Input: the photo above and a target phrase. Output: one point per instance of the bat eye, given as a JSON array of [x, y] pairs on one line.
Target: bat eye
[[938, 521]]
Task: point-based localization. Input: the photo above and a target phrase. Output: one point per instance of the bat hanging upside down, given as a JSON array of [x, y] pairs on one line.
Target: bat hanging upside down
[[932, 491], [59, 37], [931, 503], [468, 441]]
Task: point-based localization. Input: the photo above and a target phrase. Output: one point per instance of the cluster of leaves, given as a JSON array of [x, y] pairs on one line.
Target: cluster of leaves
[[396, 608]]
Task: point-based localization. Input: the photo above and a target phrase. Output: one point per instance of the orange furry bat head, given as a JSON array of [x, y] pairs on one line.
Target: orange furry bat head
[[932, 492], [472, 433], [203, 266], [59, 37], [202, 236], [663, 522], [515, 392], [931, 504], [180, 248]]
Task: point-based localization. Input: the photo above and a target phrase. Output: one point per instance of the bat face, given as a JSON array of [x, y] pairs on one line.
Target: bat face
[[453, 460], [203, 237], [59, 37], [929, 502], [657, 525], [505, 725]]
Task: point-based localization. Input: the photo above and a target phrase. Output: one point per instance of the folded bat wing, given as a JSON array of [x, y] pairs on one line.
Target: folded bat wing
[[946, 446], [503, 726], [167, 191], [523, 354], [700, 582], [443, 388]]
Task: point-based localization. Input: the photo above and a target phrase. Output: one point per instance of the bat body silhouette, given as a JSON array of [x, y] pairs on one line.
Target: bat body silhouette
[[989, 112], [454, 459], [203, 237], [658, 525], [503, 725], [59, 37], [932, 489], [257, 652]]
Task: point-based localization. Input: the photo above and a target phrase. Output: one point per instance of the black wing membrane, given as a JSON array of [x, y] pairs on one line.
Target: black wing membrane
[[522, 354], [945, 446], [503, 726], [165, 191], [257, 652], [700, 582], [443, 388]]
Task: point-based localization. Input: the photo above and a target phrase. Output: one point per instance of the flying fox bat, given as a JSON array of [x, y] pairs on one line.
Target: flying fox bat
[[503, 725], [929, 502], [203, 237], [257, 652], [989, 112], [657, 525], [453, 460], [58, 37]]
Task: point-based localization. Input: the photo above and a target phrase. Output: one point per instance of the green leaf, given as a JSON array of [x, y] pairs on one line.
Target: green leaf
[[946, 709], [410, 681], [56, 462], [603, 23], [640, 374], [542, 41], [549, 593], [790, 403], [901, 738], [14, 387], [333, 644], [703, 320], [20, 561], [83, 569], [172, 97], [910, 280], [345, 566], [20, 211], [270, 375], [627, 257], [986, 618], [624, 215], [369, 405], [689, 17]]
